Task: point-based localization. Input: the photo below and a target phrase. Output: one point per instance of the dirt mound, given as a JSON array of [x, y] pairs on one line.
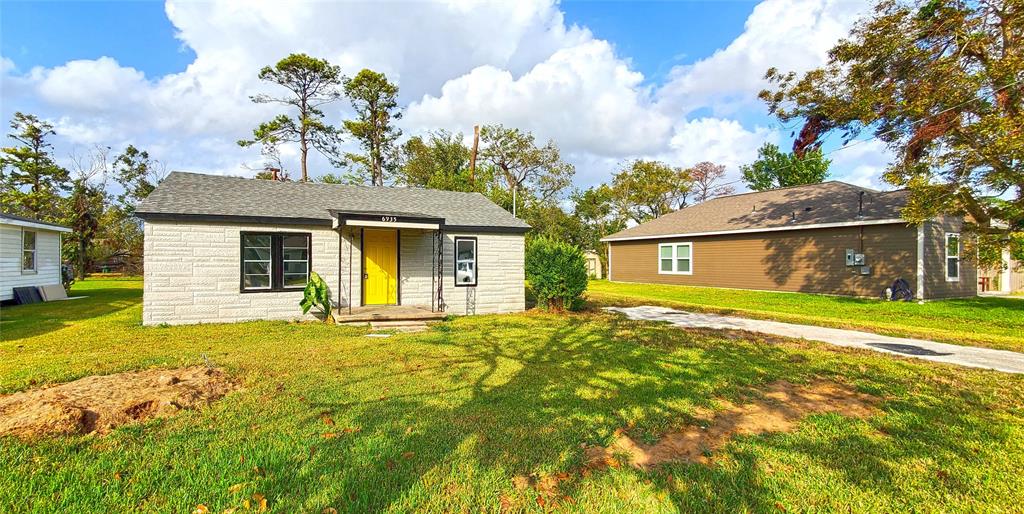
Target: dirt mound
[[778, 409], [102, 403]]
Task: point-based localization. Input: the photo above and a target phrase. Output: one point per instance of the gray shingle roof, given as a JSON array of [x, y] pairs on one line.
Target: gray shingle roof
[[12, 217], [828, 202], [198, 195]]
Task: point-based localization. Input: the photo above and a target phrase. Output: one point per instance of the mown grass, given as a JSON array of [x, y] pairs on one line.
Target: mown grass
[[980, 321], [442, 421]]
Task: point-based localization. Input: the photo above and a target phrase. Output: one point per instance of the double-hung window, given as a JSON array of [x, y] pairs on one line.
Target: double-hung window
[[465, 261], [274, 261], [952, 257], [28, 251], [675, 258]]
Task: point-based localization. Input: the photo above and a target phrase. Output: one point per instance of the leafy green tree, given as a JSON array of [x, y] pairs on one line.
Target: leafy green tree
[[138, 174], [774, 169], [441, 161], [31, 182], [87, 202], [340, 178], [940, 83], [643, 190], [594, 211], [313, 83], [375, 101], [523, 166]]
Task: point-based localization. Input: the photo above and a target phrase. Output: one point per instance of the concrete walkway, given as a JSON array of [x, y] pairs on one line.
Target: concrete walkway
[[1000, 360]]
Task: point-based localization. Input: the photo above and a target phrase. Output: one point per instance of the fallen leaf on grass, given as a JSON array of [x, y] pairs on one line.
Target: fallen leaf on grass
[[328, 421], [235, 488], [329, 435], [408, 455], [201, 509], [521, 482], [390, 465], [261, 502], [329, 510]]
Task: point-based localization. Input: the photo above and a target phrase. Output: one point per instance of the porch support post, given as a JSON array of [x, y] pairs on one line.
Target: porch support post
[[440, 268]]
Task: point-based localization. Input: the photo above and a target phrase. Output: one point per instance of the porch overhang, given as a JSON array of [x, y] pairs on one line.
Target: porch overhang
[[384, 219]]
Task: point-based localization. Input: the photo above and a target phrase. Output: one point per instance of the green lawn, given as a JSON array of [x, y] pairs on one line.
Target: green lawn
[[441, 421], [989, 322]]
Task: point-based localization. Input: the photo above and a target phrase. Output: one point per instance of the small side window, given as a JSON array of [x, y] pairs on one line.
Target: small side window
[[465, 261], [28, 251], [952, 257]]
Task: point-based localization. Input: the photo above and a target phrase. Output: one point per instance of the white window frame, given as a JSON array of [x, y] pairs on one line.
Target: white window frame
[[675, 258], [945, 251], [34, 250], [475, 260]]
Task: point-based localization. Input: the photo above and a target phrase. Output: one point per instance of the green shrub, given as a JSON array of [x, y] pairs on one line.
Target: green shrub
[[557, 273]]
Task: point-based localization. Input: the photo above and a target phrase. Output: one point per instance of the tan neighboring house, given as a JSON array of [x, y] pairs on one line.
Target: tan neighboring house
[[220, 249], [828, 238], [1009, 279]]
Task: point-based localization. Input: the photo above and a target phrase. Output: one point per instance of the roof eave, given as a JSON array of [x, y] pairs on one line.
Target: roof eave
[[886, 221]]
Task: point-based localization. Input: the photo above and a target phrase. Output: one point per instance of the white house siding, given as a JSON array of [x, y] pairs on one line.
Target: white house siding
[[47, 260], [191, 273]]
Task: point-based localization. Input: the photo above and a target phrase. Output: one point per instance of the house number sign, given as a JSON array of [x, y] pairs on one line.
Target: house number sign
[[389, 219]]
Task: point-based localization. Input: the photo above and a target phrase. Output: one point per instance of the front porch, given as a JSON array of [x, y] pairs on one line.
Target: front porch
[[369, 313]]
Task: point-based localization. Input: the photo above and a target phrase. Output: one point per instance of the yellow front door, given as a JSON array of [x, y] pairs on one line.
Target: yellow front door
[[380, 267]]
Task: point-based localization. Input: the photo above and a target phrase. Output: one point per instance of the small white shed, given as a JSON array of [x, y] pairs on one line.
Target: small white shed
[[29, 253]]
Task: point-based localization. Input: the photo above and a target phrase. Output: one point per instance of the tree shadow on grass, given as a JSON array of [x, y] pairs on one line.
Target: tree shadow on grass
[[523, 404], [24, 321]]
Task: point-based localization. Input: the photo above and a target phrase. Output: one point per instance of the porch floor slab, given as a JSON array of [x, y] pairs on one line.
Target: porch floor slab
[[386, 313]]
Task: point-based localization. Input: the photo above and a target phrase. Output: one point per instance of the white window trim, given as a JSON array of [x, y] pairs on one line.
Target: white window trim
[[945, 251], [35, 252], [675, 260]]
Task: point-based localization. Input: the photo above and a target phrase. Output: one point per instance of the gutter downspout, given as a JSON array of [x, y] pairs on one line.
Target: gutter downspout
[[920, 261], [609, 262]]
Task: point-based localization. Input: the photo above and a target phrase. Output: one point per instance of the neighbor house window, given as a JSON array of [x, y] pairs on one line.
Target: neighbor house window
[[274, 261], [465, 261], [675, 258], [28, 251], [952, 257]]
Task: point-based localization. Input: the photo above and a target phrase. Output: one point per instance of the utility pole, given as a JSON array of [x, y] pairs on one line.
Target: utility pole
[[472, 156]]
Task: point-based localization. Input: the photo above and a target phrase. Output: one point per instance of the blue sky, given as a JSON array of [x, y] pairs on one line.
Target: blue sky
[[608, 81]]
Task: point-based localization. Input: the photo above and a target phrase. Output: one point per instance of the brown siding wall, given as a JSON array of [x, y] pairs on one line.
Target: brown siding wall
[[935, 283], [810, 261]]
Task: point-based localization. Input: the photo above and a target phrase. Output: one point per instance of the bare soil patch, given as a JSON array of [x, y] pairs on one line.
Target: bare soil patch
[[778, 408], [103, 402]]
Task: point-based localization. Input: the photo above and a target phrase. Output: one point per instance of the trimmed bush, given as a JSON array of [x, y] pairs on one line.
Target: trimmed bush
[[557, 273]]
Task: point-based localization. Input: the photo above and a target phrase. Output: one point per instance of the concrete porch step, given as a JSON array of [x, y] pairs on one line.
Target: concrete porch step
[[399, 326]]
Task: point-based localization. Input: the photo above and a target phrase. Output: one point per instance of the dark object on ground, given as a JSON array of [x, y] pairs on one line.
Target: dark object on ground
[[67, 276], [26, 295], [900, 290]]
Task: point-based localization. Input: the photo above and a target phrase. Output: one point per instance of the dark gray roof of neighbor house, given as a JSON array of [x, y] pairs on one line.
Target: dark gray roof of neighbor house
[[815, 204], [213, 197], [12, 217]]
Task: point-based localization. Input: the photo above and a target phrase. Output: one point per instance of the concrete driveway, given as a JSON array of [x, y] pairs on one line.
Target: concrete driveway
[[1000, 360]]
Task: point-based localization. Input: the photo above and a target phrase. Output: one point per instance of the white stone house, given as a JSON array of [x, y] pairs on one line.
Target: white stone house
[[29, 254], [224, 249]]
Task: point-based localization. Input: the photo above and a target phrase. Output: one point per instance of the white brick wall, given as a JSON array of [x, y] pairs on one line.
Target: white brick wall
[[192, 273]]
